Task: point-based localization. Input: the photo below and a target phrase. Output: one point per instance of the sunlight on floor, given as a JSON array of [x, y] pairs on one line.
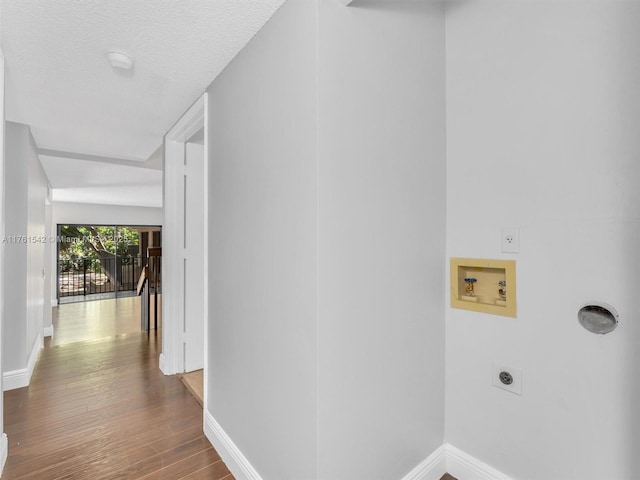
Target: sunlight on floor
[[85, 321]]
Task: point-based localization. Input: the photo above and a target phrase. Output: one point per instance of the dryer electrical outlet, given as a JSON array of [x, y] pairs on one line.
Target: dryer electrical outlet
[[507, 378]]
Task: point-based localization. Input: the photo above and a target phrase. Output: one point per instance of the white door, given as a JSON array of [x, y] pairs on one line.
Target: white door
[[193, 262]]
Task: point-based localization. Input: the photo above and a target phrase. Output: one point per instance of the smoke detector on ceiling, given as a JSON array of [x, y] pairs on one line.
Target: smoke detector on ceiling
[[120, 60]]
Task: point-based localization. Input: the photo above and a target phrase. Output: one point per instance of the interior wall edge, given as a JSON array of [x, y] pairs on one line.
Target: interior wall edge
[[232, 456]]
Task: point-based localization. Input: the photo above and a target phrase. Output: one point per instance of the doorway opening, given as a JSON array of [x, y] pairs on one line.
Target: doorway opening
[[98, 262], [185, 258]]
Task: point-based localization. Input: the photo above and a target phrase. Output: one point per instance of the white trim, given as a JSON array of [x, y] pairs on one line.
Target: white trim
[[21, 378], [54, 302], [205, 253], [172, 299], [4, 450], [190, 123], [231, 455], [431, 468], [48, 331], [170, 265], [465, 467], [445, 459], [162, 364], [461, 465]]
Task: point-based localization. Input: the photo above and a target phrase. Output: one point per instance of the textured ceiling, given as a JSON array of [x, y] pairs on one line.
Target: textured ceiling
[[59, 82]]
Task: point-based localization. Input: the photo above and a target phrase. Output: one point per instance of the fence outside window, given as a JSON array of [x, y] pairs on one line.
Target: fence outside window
[[92, 276]]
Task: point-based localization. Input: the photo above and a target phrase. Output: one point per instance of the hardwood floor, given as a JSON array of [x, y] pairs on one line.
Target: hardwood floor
[[194, 381], [98, 407], [97, 319]]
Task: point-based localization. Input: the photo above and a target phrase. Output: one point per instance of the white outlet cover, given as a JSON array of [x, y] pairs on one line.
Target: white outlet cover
[[516, 374], [510, 240]]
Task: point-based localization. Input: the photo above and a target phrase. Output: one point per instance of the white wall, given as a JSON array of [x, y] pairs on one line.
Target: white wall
[[3, 437], [263, 247], [94, 214], [326, 336], [37, 193], [15, 196], [50, 252], [25, 194], [381, 237], [542, 113]]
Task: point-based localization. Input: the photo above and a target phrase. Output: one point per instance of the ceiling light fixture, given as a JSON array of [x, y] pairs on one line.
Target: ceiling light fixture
[[120, 60]]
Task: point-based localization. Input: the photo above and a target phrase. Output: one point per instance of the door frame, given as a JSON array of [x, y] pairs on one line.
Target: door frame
[[173, 254]]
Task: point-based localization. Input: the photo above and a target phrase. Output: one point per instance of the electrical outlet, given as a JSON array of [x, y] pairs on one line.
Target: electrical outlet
[[507, 378], [510, 240]]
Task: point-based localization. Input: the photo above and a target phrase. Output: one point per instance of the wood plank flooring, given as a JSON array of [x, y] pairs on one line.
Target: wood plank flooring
[[97, 319], [100, 408], [194, 381]]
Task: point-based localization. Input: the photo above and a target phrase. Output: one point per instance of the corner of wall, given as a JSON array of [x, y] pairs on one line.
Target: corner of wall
[[20, 378], [451, 460], [431, 468], [233, 458], [463, 466]]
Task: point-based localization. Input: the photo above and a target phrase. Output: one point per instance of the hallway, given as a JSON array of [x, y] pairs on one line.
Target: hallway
[[98, 406], [99, 319]]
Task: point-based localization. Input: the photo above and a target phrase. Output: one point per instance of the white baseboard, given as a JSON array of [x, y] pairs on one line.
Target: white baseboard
[[431, 468], [231, 455], [162, 364], [21, 378], [446, 459], [4, 451], [454, 461], [35, 353], [48, 331], [15, 379], [465, 467]]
